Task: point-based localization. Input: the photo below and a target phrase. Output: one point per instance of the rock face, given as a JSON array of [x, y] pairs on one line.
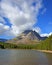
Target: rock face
[[27, 37]]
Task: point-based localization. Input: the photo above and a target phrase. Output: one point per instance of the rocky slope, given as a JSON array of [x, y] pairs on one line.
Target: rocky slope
[[27, 37]]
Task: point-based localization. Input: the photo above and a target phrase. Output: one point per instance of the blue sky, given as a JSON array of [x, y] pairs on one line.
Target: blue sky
[[45, 19], [20, 16]]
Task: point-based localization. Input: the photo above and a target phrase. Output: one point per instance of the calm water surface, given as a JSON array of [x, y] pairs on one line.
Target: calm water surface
[[24, 57]]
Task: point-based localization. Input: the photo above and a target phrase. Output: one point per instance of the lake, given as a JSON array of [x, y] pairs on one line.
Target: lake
[[24, 57]]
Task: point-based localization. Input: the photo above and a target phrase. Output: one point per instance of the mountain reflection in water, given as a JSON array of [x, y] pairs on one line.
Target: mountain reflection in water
[[24, 57]]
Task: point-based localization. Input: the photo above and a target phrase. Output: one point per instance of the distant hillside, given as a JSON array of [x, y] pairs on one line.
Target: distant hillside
[[27, 37], [45, 45], [3, 40], [7, 46]]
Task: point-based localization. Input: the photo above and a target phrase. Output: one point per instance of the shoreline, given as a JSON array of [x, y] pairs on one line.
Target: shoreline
[[45, 51]]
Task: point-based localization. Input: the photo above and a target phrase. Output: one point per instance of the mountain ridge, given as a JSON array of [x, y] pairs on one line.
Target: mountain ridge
[[27, 37], [3, 40]]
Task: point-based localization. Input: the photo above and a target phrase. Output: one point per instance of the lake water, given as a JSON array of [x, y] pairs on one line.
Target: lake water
[[24, 57]]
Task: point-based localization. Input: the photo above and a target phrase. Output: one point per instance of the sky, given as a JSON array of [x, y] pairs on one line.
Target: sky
[[17, 16]]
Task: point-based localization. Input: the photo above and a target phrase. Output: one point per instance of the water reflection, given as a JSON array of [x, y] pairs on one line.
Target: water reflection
[[23, 57]]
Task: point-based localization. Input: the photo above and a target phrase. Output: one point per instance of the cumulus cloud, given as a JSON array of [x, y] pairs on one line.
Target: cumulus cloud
[[22, 14], [2, 20], [37, 29], [46, 34], [3, 28]]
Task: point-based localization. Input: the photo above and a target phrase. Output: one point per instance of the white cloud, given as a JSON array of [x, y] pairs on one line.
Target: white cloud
[[2, 20], [3, 28], [45, 34], [21, 13], [37, 29], [6, 30]]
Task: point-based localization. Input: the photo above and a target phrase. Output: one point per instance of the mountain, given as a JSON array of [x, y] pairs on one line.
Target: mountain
[[27, 37], [34, 35], [3, 40]]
